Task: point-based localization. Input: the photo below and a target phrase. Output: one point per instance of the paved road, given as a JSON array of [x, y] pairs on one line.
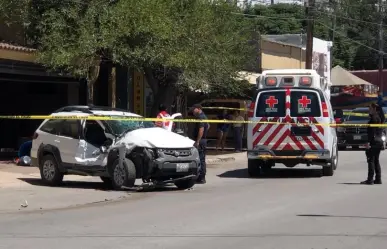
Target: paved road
[[291, 208]]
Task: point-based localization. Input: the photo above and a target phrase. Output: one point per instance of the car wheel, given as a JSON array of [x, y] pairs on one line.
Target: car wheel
[[123, 175], [253, 168], [329, 168], [49, 171], [185, 184], [106, 180]]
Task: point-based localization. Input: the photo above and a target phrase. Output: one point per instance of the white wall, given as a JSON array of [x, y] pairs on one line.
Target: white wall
[[322, 48]]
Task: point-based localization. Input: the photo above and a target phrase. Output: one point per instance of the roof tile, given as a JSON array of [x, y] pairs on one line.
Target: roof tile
[[8, 46]]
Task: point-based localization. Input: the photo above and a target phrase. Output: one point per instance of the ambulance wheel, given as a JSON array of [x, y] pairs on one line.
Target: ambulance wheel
[[330, 167], [253, 168]]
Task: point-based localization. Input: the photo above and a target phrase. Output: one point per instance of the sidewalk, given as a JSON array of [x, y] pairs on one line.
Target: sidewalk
[[214, 157]]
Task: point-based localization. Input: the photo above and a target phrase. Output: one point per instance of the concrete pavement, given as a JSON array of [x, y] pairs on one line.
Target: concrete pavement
[[290, 208]]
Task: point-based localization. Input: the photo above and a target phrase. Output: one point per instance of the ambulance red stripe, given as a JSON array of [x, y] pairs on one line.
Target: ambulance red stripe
[[263, 132], [274, 133], [281, 139], [306, 138], [257, 126], [319, 127]]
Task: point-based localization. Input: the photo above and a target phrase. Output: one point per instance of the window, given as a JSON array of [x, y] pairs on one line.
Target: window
[[70, 128], [94, 133], [271, 104], [52, 126], [304, 103]]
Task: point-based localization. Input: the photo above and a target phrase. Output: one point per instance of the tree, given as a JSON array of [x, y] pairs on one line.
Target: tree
[[356, 26], [178, 44]]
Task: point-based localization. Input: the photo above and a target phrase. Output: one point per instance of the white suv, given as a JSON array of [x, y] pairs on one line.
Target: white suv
[[118, 151]]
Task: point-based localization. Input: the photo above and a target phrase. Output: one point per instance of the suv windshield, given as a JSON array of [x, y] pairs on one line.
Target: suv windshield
[[358, 115], [118, 127]]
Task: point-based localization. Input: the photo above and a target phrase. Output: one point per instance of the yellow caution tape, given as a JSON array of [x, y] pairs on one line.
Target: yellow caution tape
[[95, 117]]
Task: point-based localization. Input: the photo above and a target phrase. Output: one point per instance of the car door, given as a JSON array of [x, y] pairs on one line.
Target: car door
[[88, 150], [68, 140]]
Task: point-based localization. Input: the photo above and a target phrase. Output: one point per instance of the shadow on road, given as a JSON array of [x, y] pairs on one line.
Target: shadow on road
[[340, 216], [275, 173], [350, 183], [97, 186]]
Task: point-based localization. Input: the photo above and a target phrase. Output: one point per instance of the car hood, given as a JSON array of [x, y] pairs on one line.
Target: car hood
[[155, 138]]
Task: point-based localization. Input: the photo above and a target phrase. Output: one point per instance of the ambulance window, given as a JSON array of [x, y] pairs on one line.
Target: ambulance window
[[304, 104], [271, 104]]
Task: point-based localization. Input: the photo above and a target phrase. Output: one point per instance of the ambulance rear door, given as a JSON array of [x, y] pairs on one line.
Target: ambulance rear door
[[270, 107], [308, 109]]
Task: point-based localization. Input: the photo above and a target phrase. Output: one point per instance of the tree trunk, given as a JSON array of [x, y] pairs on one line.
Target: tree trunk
[[163, 93], [92, 77]]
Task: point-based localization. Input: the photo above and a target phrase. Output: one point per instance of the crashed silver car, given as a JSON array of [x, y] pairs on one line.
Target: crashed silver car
[[118, 149]]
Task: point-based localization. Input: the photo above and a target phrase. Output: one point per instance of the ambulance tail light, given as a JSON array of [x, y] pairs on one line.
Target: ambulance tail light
[[305, 81], [325, 110], [271, 81], [251, 110]]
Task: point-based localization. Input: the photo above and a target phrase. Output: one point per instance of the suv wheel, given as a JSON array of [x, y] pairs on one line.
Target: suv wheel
[[185, 184], [123, 175], [49, 171], [253, 168]]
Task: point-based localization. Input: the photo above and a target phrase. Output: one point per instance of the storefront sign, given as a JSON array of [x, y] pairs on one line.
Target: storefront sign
[[138, 93]]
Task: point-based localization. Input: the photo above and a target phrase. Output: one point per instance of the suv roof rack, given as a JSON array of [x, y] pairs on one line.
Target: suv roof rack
[[88, 109]]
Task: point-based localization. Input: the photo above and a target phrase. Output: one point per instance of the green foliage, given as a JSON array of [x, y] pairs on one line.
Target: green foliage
[[356, 23], [198, 41]]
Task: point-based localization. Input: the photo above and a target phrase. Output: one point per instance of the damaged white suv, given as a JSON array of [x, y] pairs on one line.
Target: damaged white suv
[[118, 151]]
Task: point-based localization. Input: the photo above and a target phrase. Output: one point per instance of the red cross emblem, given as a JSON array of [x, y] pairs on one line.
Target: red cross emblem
[[304, 101], [271, 101]]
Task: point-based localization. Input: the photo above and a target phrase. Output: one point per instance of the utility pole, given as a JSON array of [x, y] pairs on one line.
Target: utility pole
[[334, 3], [381, 45], [309, 7]]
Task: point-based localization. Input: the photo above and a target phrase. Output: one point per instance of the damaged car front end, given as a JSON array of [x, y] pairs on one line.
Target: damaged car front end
[[153, 154]]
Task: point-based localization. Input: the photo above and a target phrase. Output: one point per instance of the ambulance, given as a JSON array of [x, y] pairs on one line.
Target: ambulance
[[292, 122]]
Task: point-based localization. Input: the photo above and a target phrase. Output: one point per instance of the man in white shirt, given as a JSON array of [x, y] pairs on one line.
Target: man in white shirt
[[238, 131]]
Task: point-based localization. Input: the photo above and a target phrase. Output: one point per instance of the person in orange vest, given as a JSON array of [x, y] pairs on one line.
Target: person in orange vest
[[162, 114]]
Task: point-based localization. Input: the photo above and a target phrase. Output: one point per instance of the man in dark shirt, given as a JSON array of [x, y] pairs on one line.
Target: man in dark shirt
[[200, 138]]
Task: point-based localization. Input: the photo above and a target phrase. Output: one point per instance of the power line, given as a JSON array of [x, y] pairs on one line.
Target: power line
[[347, 18], [348, 5], [352, 40], [269, 17]]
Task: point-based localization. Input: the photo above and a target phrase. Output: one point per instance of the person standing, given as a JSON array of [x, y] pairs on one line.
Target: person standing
[[238, 131], [375, 145], [200, 137], [222, 130], [162, 114]]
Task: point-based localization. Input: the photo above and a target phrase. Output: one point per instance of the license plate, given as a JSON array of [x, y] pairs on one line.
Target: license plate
[[182, 167], [356, 137]]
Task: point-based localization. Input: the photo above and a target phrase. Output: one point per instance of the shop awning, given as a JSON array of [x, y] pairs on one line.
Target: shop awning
[[341, 77]]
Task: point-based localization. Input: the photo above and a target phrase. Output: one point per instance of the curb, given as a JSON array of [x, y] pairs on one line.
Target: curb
[[220, 160]]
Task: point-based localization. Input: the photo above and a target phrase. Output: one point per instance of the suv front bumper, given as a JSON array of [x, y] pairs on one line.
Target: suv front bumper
[[165, 167]]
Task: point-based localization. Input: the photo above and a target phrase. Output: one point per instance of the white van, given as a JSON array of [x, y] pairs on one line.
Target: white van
[[293, 103]]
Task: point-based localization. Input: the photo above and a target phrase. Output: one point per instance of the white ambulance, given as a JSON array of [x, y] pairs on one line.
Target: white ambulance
[[293, 102]]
